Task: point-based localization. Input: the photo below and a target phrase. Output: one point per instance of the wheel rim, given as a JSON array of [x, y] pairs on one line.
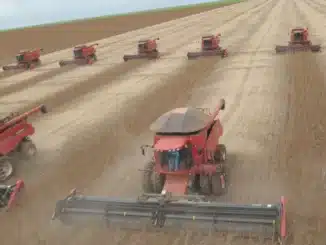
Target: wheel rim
[[223, 155], [5, 170], [31, 151]]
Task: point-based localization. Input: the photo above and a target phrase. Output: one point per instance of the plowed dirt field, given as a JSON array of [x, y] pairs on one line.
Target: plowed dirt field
[[275, 120]]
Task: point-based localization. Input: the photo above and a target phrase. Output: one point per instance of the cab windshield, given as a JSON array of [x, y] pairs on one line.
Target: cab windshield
[[298, 36], [20, 57], [78, 53], [175, 160]]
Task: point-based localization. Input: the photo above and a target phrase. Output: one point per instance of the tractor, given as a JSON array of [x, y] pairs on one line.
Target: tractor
[[82, 55], [210, 46], [147, 49], [26, 59], [180, 186], [299, 41]]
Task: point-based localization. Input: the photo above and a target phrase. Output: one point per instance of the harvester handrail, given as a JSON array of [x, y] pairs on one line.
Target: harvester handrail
[[220, 107], [17, 118], [169, 197]]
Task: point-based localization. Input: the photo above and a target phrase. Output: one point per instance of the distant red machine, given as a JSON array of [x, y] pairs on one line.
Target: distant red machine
[[299, 41], [147, 49], [210, 46], [9, 194], [14, 138], [83, 54], [26, 59]]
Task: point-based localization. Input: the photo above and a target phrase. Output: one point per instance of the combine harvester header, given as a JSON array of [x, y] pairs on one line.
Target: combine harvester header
[[166, 210]]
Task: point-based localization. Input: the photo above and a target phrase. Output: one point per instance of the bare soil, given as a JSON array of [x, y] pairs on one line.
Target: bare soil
[[99, 116]]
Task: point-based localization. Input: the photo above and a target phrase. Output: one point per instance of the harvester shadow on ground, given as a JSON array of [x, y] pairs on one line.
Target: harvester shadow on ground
[[89, 85], [303, 147], [16, 87], [7, 74]]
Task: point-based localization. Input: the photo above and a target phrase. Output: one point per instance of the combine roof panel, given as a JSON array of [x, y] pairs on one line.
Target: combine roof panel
[[181, 120]]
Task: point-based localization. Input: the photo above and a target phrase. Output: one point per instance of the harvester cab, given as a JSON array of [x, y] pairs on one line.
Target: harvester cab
[[299, 41], [187, 155], [298, 36], [26, 59], [210, 42], [78, 52], [82, 55], [20, 56], [186, 150], [15, 134], [146, 49], [9, 194], [210, 46]]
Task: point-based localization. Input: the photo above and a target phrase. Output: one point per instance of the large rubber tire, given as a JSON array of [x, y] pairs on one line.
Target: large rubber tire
[[6, 168], [205, 184], [217, 189], [221, 154], [152, 182], [27, 149]]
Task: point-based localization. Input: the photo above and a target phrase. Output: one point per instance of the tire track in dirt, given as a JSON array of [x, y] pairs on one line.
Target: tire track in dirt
[[30, 200], [108, 130], [112, 75], [304, 148], [304, 144], [7, 74], [128, 125], [47, 75], [232, 110], [33, 81], [321, 8], [182, 83], [16, 87]]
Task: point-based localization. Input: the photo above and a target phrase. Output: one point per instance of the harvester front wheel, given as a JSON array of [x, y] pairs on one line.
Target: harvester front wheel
[[152, 181], [217, 184], [27, 149], [225, 53], [205, 184], [221, 153], [6, 168]]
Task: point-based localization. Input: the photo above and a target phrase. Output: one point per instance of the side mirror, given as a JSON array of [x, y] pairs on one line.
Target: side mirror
[[44, 109], [222, 104], [142, 151]]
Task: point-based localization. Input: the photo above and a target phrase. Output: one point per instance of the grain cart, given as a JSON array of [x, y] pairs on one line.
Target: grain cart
[[14, 138], [9, 194], [186, 171], [299, 41], [82, 55], [210, 46], [26, 59], [147, 49]]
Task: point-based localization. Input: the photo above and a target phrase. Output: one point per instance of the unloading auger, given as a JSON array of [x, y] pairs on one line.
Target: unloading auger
[[165, 210]]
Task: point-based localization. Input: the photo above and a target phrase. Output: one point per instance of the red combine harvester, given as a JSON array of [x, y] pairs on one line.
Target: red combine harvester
[[9, 193], [147, 49], [14, 137], [186, 171], [83, 55], [299, 42], [210, 46], [26, 59]]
